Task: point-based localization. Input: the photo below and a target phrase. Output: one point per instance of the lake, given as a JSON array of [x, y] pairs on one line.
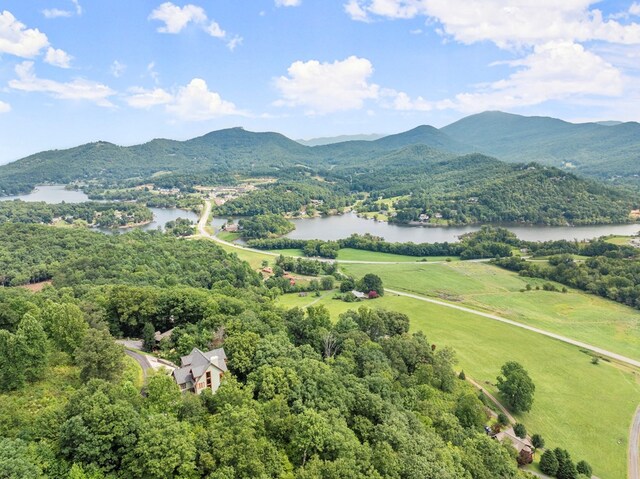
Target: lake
[[338, 227], [57, 194]]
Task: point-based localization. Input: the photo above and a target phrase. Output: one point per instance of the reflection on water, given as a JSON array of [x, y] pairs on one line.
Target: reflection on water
[[50, 194], [54, 194], [338, 227]]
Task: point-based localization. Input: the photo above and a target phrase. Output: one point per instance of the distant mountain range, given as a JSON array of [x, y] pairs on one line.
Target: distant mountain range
[[605, 151], [328, 140]]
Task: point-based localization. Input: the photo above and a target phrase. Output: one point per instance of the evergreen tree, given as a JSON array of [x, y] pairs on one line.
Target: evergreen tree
[[549, 463], [148, 337], [583, 467]]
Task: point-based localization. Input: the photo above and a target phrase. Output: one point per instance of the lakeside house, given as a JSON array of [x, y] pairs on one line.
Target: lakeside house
[[201, 370]]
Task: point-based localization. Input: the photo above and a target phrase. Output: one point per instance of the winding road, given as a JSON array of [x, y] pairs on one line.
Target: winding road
[[634, 447]]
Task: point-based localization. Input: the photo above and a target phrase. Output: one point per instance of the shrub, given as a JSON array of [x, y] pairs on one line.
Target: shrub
[[520, 430], [503, 419], [549, 463], [537, 441], [584, 467]]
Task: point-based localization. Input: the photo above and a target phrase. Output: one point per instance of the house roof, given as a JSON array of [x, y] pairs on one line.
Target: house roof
[[517, 442], [158, 336], [359, 294], [196, 363]]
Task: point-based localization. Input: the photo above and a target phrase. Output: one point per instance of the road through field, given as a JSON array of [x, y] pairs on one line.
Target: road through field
[[595, 349], [634, 447]]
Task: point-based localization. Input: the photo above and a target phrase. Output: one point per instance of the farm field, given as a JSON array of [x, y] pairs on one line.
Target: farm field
[[574, 398], [575, 314]]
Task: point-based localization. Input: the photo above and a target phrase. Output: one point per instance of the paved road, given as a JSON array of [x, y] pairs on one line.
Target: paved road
[[634, 447], [595, 349], [141, 359]]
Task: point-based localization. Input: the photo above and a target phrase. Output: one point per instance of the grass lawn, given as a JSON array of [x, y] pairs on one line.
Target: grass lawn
[[584, 408], [481, 286], [228, 236], [288, 252], [619, 240]]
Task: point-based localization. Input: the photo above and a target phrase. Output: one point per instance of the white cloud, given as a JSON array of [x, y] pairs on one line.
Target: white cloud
[[76, 3], [327, 87], [4, 107], [507, 24], [141, 98], [58, 58], [558, 44], [288, 3], [117, 68], [151, 69], [554, 71], [177, 18], [16, 39], [56, 13], [355, 11], [193, 102], [234, 42], [78, 89]]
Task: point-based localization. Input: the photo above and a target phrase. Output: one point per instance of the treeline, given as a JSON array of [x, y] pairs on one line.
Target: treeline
[[146, 197], [104, 215], [489, 242], [265, 226]]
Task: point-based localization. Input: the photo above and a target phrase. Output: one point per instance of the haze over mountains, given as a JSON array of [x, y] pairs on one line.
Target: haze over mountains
[[604, 151]]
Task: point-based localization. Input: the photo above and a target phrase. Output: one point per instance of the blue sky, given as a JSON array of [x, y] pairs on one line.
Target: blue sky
[[73, 71]]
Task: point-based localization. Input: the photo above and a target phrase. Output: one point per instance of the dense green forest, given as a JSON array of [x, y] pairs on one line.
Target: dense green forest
[[304, 397], [93, 213]]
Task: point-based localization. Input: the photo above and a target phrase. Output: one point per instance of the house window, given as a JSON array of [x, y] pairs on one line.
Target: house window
[[208, 377]]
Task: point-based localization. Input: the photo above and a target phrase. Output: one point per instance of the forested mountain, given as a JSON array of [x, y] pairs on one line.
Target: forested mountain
[[593, 149], [441, 165]]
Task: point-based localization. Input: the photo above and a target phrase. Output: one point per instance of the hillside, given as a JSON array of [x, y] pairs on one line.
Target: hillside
[[594, 149]]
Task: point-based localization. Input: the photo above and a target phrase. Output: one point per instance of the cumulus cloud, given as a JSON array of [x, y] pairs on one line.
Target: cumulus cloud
[[4, 107], [193, 102], [288, 3], [177, 18], [327, 87], [507, 24], [141, 98], [58, 58], [78, 89], [16, 39], [554, 71], [557, 43]]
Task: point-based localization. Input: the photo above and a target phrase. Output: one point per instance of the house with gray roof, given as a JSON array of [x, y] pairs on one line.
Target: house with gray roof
[[201, 370]]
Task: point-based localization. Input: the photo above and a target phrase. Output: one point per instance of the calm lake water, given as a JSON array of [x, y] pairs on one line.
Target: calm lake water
[[57, 194], [337, 227], [50, 194]]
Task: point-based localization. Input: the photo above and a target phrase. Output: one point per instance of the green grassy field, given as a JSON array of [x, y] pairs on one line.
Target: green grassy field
[[349, 254], [481, 286], [584, 408], [619, 240]]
